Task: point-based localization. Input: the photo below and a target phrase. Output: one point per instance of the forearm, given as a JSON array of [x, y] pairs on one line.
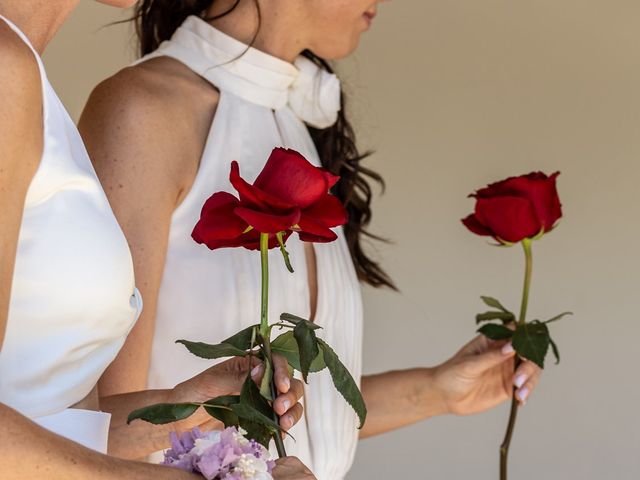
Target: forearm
[[400, 398], [29, 451], [138, 439]]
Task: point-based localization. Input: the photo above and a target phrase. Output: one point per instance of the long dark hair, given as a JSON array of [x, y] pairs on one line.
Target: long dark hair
[[157, 20]]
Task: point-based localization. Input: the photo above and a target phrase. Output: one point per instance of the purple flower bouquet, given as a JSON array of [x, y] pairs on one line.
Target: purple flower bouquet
[[220, 455]]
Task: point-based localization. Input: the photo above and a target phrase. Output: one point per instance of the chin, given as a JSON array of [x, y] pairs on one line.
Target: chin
[[337, 51], [118, 3]]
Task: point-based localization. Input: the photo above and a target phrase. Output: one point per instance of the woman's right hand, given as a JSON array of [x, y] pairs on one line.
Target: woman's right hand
[[291, 468], [227, 378]]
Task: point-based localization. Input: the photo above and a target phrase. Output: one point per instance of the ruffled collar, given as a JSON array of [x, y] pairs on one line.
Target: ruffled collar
[[311, 92]]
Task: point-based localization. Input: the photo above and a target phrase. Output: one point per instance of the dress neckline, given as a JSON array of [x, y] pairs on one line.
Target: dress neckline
[[253, 75]]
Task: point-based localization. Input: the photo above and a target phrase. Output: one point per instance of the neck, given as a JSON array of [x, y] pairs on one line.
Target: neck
[[39, 20], [277, 35]]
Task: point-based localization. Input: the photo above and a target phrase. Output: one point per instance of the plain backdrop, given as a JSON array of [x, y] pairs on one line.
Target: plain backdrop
[[452, 95]]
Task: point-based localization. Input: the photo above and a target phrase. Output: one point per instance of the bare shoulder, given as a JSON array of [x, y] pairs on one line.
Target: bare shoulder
[[21, 106], [18, 64], [154, 117], [21, 143]]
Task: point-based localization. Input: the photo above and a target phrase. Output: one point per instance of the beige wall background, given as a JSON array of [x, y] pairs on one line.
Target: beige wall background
[[453, 95]]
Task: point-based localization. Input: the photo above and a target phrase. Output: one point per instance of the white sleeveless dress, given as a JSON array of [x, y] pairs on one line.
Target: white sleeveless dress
[[73, 299], [209, 295]]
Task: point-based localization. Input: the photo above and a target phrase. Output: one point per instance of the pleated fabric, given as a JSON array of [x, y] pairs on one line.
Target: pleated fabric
[[209, 295]]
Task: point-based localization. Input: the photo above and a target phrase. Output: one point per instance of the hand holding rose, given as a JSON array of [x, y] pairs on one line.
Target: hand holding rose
[[517, 210], [227, 378], [481, 376]]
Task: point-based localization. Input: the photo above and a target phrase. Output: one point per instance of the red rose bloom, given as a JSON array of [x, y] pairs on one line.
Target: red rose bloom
[[516, 208], [289, 195]]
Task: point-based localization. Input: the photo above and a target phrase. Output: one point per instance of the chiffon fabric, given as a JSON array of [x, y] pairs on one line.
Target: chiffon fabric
[[209, 295], [73, 299]]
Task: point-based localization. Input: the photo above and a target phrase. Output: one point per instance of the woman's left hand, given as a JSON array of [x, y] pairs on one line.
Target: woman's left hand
[[480, 376]]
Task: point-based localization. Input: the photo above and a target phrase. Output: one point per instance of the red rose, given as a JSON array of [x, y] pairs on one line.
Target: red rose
[[516, 208], [289, 195]]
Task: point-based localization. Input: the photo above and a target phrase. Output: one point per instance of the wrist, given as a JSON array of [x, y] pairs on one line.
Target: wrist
[[433, 395], [177, 394], [184, 393]]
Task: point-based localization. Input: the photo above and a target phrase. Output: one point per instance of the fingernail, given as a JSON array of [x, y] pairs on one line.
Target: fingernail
[[287, 384], [523, 393], [288, 420], [256, 371], [520, 380], [286, 405], [507, 349]]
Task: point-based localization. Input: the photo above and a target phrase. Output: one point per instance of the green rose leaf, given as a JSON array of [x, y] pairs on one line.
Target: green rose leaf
[[235, 346], [250, 395], [209, 352], [258, 426], [295, 320], [257, 432], [558, 317], [255, 414], [554, 349], [250, 414], [505, 317], [495, 332], [493, 303], [163, 413], [265, 384], [344, 382], [531, 341], [221, 409], [307, 346], [287, 346]]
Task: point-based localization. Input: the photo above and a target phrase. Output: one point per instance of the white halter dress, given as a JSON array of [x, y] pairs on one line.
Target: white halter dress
[[73, 299], [209, 295]]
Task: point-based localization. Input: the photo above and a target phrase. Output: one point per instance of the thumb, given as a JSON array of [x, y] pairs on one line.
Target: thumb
[[492, 358]]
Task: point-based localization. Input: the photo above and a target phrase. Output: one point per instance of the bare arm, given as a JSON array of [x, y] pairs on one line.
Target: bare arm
[[21, 143], [479, 377], [146, 153], [139, 438], [32, 452], [28, 450], [146, 140], [400, 398]]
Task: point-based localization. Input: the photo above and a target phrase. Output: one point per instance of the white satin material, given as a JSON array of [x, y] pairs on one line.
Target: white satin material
[[86, 427], [311, 92], [73, 299], [209, 295]]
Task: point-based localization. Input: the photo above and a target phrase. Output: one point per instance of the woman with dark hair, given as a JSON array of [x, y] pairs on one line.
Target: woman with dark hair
[[224, 80], [67, 294]]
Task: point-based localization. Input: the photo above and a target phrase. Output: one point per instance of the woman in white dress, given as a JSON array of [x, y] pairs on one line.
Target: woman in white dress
[[163, 134], [67, 294]]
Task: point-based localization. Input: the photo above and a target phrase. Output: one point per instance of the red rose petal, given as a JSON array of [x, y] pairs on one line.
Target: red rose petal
[[290, 177], [330, 177], [251, 240], [254, 197], [538, 188], [473, 224], [329, 211], [508, 218], [268, 223], [313, 231], [218, 222]]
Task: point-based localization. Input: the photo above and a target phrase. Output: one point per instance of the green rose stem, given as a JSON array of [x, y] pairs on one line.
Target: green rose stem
[[504, 448], [265, 330]]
